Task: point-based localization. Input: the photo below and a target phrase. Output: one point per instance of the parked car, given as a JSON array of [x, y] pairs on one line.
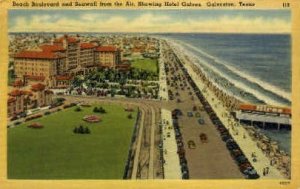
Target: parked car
[[190, 114]]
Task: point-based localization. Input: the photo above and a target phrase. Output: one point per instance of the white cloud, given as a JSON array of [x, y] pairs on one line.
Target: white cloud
[[149, 23]]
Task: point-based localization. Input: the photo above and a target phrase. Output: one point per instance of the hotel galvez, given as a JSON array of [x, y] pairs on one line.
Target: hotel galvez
[[54, 64]]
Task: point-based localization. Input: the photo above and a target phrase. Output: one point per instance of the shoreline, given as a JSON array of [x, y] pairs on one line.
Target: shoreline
[[222, 108], [244, 86]]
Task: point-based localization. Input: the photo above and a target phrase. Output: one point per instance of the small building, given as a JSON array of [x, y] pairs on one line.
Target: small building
[[62, 81], [264, 115], [21, 100]]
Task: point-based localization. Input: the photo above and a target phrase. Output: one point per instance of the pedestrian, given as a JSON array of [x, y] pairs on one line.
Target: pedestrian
[[264, 171]]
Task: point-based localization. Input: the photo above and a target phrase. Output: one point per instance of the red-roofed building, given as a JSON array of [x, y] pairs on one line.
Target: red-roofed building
[[18, 83], [87, 54], [52, 48], [15, 102], [264, 115], [42, 65], [107, 56], [66, 56], [38, 87], [63, 81], [72, 46], [21, 100]]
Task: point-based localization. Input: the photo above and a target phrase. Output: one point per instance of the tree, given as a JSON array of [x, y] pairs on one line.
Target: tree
[[87, 130], [81, 129], [96, 109], [78, 109], [102, 110], [129, 116], [113, 92], [75, 130]]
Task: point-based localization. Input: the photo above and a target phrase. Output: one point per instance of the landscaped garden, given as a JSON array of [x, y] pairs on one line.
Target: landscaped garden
[[56, 151], [147, 64], [134, 83]]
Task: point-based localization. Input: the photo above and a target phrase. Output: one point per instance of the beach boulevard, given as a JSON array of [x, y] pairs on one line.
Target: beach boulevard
[[171, 159], [238, 132]]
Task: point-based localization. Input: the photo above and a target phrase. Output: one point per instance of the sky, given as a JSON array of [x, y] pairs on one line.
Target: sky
[[151, 21]]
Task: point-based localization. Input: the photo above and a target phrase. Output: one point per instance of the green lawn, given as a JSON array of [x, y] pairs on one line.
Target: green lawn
[[146, 64], [55, 152]]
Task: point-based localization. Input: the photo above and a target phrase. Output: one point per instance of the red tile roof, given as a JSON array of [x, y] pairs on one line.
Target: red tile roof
[[16, 93], [264, 108], [69, 39], [106, 49], [37, 55], [17, 83], [37, 87], [10, 100], [52, 48], [87, 46], [63, 77], [34, 77]]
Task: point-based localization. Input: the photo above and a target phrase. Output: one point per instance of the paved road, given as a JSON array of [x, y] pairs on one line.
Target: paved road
[[246, 143], [209, 160]]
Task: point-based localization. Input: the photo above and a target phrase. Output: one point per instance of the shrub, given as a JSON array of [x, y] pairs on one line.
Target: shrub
[[102, 110], [78, 109], [99, 110], [96, 110], [75, 130], [129, 116], [81, 130], [17, 123], [87, 130], [47, 113]]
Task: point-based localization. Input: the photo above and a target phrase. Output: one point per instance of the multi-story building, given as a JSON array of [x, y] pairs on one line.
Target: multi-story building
[[107, 56], [72, 47], [66, 56], [41, 65], [21, 100]]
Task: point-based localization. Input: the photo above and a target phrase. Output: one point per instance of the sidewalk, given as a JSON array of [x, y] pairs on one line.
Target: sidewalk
[[163, 90], [246, 144], [171, 166]]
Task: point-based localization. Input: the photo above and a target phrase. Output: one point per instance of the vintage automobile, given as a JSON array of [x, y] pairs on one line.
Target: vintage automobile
[[191, 144], [203, 137]]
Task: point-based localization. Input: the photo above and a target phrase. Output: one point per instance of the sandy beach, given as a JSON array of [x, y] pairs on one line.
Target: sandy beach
[[222, 109]]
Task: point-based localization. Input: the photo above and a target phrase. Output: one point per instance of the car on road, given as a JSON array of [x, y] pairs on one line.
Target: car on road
[[201, 121], [190, 114]]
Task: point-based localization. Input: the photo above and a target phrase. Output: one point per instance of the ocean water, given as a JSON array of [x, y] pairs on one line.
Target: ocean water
[[256, 67]]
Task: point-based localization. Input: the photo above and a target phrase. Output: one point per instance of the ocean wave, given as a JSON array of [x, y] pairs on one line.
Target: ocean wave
[[238, 84], [246, 76]]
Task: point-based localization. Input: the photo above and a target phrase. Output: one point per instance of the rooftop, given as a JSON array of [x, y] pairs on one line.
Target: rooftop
[[87, 46], [68, 38], [106, 49], [37, 87], [38, 55], [52, 48]]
